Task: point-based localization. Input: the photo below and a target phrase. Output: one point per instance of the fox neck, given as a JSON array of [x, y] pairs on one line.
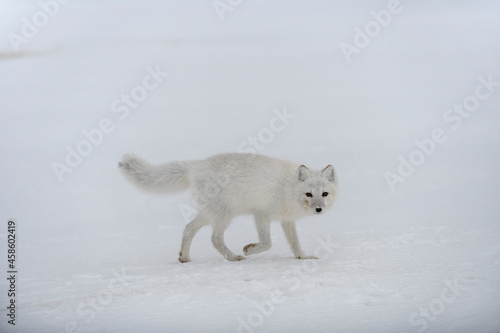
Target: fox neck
[[290, 208]]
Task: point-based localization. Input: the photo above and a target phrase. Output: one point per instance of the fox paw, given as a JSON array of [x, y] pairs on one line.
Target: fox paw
[[306, 257], [183, 259], [236, 258], [255, 248], [248, 249]]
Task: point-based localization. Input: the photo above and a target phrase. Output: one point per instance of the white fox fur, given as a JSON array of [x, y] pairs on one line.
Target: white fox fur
[[228, 185]]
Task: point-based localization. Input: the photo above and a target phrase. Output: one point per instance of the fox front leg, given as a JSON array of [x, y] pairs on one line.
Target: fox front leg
[[291, 235], [263, 225]]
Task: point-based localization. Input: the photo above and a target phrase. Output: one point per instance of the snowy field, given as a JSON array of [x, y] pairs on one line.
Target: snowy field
[[403, 98]]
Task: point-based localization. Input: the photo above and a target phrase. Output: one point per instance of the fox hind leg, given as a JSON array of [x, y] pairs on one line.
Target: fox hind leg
[[218, 240], [187, 237]]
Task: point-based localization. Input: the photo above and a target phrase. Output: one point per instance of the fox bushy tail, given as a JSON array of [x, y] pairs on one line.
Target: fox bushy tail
[[163, 178]]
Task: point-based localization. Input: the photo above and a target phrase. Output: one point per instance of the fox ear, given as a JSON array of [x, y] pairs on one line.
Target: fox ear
[[303, 173], [329, 173]]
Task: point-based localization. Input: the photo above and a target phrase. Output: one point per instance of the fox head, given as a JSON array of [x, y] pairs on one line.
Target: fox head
[[316, 190]]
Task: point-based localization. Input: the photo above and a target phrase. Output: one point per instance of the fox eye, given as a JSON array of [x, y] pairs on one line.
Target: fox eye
[[309, 194], [325, 194]]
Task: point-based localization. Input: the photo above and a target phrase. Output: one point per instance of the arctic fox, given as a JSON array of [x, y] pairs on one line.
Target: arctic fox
[[228, 185]]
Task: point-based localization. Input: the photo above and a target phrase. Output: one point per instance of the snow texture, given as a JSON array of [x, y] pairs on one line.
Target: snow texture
[[403, 98]]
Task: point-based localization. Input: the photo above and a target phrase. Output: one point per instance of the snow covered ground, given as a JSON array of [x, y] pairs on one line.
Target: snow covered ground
[[403, 98]]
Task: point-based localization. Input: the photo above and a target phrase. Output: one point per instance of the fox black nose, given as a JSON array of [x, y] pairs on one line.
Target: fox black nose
[[318, 209]]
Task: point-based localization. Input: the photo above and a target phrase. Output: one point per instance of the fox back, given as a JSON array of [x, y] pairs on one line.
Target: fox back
[[234, 184]]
